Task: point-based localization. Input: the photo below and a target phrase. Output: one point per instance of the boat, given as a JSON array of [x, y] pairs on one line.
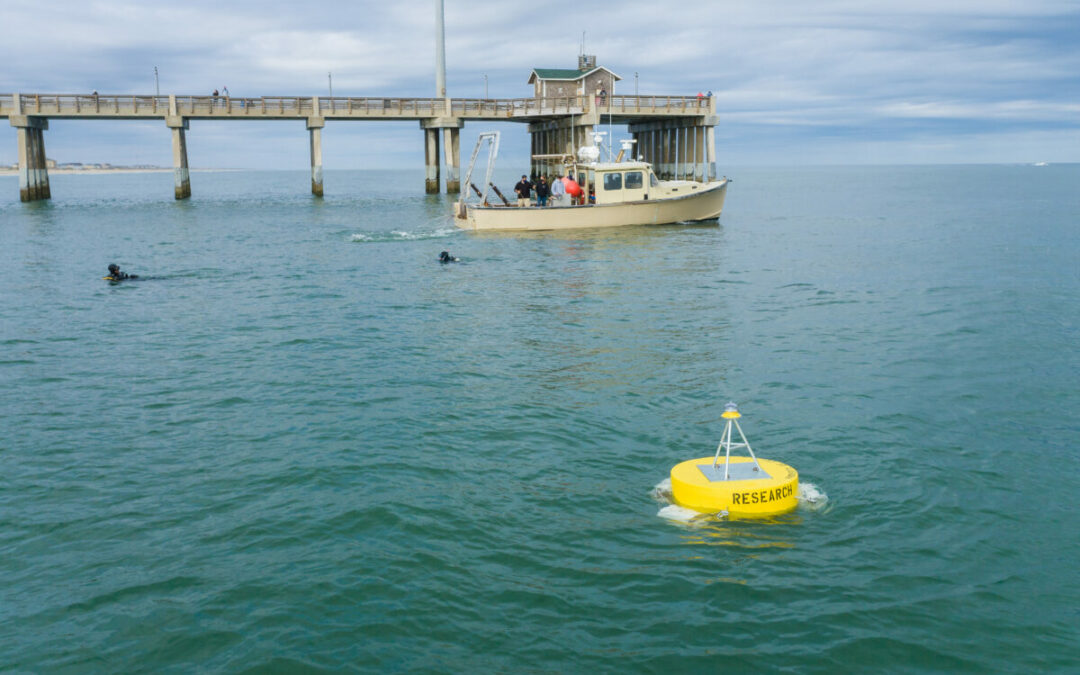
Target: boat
[[615, 193]]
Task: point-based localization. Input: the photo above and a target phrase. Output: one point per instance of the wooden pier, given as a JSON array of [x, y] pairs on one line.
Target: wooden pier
[[674, 133]]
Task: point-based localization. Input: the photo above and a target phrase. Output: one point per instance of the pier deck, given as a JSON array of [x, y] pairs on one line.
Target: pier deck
[[623, 109], [675, 133]]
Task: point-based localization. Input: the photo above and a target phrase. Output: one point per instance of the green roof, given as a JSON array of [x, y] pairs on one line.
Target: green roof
[[560, 73], [565, 73]]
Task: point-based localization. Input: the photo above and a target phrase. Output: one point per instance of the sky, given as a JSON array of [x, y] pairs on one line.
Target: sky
[[797, 83]]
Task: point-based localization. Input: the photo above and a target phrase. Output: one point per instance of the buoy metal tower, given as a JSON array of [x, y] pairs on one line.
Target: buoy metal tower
[[732, 415]]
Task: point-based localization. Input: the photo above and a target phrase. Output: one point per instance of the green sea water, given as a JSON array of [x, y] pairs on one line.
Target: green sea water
[[299, 444]]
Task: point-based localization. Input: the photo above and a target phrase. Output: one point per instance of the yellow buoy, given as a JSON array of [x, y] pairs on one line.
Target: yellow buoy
[[741, 486]]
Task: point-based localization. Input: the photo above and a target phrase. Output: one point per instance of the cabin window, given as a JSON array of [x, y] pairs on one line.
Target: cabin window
[[612, 181], [652, 180], [634, 181]]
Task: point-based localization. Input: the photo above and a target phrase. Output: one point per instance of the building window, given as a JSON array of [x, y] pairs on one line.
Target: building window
[[612, 181], [634, 180]]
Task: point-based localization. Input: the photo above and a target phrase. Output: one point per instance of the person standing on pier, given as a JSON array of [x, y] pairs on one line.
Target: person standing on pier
[[522, 189]]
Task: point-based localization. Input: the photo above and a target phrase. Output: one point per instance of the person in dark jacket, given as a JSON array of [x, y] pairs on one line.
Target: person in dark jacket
[[523, 188], [542, 191]]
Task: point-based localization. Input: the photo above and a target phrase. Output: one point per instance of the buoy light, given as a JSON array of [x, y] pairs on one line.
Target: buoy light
[[740, 486]]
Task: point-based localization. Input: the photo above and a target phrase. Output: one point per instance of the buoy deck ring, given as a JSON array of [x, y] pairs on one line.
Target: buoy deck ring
[[695, 484]]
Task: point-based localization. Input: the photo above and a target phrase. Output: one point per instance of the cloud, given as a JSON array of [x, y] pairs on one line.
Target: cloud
[[837, 69]]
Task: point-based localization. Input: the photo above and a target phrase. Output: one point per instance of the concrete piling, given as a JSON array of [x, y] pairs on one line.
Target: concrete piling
[[431, 161], [699, 154], [710, 151], [315, 124], [452, 148], [315, 134], [315, 127], [33, 167], [181, 175], [668, 165], [33, 174], [686, 153]]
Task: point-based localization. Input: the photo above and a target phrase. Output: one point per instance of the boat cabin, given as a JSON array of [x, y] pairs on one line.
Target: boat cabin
[[622, 181]]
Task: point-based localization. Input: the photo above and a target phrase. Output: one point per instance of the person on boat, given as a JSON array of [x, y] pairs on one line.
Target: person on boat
[[116, 275], [523, 188], [542, 191], [445, 257], [558, 191]]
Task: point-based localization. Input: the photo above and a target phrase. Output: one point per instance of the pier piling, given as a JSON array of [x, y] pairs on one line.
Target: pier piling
[[431, 161], [710, 151], [181, 175], [452, 148], [33, 169], [315, 126]]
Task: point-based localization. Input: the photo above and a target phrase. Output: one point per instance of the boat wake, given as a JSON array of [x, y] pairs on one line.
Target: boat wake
[[811, 498], [401, 235]]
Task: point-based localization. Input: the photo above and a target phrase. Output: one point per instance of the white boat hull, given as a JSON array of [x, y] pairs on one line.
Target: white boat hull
[[703, 203]]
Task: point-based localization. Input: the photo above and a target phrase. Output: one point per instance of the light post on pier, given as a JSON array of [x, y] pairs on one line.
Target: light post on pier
[[485, 86], [157, 88], [635, 84], [330, 80]]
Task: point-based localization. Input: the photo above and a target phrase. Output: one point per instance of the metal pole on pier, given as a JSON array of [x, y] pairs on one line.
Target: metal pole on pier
[[440, 51]]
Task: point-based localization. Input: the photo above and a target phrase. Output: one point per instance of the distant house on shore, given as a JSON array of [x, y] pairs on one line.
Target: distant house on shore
[[587, 79]]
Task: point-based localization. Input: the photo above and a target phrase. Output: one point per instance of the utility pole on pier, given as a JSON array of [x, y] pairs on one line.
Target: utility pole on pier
[[445, 125], [440, 51]]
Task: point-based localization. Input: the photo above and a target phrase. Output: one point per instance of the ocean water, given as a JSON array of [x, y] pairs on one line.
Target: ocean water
[[298, 443]]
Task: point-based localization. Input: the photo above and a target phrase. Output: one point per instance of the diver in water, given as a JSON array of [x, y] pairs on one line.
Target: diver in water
[[116, 275], [445, 257]]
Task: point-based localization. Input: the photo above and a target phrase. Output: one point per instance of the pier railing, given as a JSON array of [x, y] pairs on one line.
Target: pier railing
[[227, 107], [686, 105]]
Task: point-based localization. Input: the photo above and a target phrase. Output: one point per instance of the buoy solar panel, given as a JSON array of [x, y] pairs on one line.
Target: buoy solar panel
[[741, 486]]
